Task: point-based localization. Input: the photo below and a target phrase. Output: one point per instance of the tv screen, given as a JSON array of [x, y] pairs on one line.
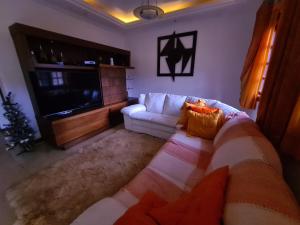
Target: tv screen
[[63, 92]]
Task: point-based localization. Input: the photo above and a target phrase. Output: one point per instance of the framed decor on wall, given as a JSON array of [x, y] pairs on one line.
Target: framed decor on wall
[[176, 54]]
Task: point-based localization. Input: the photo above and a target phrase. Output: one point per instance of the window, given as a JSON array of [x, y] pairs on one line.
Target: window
[[266, 64], [57, 78]]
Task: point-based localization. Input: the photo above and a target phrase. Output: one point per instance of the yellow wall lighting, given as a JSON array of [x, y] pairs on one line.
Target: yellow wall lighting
[[128, 17], [116, 13], [173, 7], [122, 16], [170, 7]]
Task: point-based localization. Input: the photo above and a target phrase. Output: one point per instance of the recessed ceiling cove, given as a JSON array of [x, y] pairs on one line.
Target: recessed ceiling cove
[[121, 11]]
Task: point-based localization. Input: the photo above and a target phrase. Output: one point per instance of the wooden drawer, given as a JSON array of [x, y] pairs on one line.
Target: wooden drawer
[[71, 128]]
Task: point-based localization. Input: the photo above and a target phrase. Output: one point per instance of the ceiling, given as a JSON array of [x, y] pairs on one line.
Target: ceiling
[[120, 12]]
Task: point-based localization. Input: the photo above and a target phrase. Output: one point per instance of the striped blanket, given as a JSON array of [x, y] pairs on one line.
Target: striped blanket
[[256, 193]]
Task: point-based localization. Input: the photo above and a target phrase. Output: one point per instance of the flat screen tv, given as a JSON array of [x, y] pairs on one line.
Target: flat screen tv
[[60, 93]]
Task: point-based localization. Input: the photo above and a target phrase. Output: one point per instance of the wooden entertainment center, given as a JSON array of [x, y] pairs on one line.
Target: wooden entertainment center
[[72, 54]]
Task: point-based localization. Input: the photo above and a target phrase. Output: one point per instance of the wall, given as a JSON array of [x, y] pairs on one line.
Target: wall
[[36, 13], [223, 39]]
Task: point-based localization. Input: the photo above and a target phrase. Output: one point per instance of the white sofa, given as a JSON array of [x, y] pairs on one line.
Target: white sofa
[[157, 113]]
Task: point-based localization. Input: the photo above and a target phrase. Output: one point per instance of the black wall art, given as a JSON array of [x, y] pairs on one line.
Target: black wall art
[[176, 54]]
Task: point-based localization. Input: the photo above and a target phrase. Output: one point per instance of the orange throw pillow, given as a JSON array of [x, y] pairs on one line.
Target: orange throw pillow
[[204, 205], [204, 109], [136, 215], [183, 119], [204, 122]]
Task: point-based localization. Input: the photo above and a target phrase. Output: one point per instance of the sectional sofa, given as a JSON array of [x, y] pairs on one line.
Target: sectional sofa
[[256, 193], [157, 113]]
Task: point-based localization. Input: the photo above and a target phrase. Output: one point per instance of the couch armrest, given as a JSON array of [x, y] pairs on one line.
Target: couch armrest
[[133, 109]]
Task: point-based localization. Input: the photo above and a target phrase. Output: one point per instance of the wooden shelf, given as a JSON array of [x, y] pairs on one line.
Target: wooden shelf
[[73, 128], [120, 67], [57, 66]]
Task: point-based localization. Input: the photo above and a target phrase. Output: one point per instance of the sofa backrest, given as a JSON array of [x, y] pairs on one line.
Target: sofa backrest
[[142, 99], [170, 104], [173, 104], [256, 192], [239, 140], [154, 102]]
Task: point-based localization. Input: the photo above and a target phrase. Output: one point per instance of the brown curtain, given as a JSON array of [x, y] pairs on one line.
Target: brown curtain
[[291, 139], [257, 56], [278, 112]]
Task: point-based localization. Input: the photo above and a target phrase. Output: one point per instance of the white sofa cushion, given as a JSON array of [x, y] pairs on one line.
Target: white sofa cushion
[[154, 102], [133, 109], [169, 121], [173, 104], [148, 127], [196, 143], [104, 212], [155, 127], [142, 99]]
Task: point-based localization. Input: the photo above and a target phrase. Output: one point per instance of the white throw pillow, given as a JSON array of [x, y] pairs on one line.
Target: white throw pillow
[[154, 102], [142, 99], [173, 104]]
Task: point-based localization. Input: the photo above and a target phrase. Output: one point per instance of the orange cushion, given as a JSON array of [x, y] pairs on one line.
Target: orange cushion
[[202, 109], [204, 205], [136, 215], [205, 122], [183, 119]]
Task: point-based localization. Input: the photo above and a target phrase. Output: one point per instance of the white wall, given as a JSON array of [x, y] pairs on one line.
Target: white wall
[[34, 13], [223, 39]]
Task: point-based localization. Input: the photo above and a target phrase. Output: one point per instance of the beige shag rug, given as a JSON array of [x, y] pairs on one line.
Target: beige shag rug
[[59, 194]]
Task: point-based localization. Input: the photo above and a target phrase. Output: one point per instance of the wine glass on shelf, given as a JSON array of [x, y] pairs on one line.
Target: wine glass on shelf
[[60, 58], [42, 55], [53, 58]]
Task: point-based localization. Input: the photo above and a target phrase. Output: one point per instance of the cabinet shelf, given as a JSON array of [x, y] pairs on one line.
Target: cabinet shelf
[[34, 45], [115, 66], [57, 66]]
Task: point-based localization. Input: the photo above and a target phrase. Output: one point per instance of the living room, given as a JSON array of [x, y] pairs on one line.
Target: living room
[[107, 105]]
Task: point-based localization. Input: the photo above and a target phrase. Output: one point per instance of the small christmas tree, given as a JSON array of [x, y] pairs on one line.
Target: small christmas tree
[[17, 131]]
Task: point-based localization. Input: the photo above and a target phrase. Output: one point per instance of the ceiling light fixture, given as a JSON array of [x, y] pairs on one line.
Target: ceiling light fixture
[[148, 12]]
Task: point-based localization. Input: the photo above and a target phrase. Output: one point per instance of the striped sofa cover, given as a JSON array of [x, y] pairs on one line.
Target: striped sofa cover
[[256, 194]]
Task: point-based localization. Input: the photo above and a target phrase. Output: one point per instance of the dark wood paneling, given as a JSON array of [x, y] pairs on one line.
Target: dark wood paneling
[[38, 32], [113, 84]]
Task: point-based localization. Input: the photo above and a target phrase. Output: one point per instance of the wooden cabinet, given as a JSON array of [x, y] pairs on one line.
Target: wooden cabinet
[[71, 130], [71, 54], [74, 127], [113, 84]]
